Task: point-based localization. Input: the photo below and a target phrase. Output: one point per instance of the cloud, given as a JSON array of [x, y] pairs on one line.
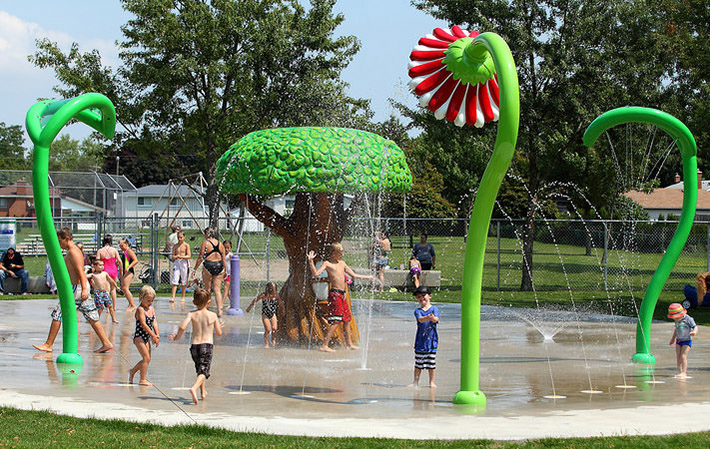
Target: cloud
[[17, 42]]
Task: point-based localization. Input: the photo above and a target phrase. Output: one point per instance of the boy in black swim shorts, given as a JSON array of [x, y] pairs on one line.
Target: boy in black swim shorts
[[204, 325]]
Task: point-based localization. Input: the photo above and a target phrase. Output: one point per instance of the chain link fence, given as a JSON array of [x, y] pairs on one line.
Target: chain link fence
[[573, 255]]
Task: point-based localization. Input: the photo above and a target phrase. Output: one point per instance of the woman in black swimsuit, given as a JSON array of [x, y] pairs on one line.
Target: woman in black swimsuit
[[212, 258]]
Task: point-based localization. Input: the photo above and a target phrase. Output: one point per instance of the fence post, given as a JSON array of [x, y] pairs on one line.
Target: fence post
[[707, 248], [606, 246], [154, 250], [268, 254], [498, 264]]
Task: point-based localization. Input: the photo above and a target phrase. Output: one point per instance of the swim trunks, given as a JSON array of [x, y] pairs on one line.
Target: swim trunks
[[102, 299], [181, 271], [87, 307], [338, 311], [425, 360], [684, 343], [202, 356]]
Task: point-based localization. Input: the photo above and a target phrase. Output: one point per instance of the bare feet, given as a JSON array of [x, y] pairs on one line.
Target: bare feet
[[145, 383], [326, 349], [680, 376], [412, 386], [43, 347], [266, 346], [172, 300], [194, 395], [130, 308], [432, 385], [115, 321], [104, 348], [131, 374], [353, 347], [203, 393]]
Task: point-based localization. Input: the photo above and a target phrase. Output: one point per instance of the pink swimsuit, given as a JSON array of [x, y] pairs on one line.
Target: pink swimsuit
[[110, 267]]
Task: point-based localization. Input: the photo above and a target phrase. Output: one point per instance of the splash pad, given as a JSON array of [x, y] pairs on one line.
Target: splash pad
[[292, 390]]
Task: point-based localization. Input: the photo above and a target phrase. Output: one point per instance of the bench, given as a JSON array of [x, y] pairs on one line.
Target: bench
[[402, 279], [35, 284]]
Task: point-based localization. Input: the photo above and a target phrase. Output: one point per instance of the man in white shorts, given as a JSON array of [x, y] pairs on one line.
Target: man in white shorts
[[181, 265]]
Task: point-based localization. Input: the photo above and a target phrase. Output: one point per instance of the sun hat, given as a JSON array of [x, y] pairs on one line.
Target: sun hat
[[676, 310]]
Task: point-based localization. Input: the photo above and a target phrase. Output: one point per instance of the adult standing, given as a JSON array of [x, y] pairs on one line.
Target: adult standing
[[425, 254], [212, 258], [112, 263], [13, 266], [128, 262], [172, 239], [381, 246]]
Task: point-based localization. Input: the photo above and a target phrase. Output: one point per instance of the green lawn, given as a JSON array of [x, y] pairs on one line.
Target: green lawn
[[32, 429]]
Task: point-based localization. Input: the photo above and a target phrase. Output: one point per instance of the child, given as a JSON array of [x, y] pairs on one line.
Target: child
[[415, 270], [204, 324], [427, 339], [685, 329], [228, 268], [146, 332], [181, 265], [337, 305], [104, 289], [270, 302], [84, 304]]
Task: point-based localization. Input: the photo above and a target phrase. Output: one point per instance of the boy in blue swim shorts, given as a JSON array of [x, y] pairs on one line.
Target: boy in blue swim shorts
[[685, 329], [104, 288]]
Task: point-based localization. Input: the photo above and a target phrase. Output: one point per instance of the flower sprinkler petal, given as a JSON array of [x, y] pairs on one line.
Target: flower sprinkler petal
[[453, 79]]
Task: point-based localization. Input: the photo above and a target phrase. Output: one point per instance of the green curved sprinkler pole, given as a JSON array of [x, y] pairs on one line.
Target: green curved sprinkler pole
[[686, 143], [509, 104], [43, 122]]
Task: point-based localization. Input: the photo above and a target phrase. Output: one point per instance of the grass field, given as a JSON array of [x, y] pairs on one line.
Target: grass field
[[36, 429]]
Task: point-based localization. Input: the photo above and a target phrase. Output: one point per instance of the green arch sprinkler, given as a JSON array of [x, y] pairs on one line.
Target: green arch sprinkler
[[470, 78], [688, 150], [43, 122]]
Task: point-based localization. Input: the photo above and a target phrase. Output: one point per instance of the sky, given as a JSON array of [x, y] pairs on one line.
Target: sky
[[387, 29]]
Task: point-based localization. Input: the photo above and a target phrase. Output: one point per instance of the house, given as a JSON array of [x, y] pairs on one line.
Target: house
[[17, 200], [669, 200]]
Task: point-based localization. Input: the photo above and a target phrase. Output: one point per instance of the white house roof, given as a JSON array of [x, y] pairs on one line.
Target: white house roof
[[158, 190]]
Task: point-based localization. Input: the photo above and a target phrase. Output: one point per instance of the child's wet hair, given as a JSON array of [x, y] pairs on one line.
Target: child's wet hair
[[270, 288], [200, 298], [337, 248], [146, 292], [97, 262]]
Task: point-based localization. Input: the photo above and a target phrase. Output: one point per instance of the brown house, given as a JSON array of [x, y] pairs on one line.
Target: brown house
[[16, 200], [669, 200]]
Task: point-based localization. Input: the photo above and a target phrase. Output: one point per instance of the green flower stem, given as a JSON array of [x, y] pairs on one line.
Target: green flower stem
[[688, 149], [43, 122], [481, 216]]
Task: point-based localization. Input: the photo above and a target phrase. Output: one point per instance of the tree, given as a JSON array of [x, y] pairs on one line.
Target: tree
[[12, 151], [425, 199], [197, 75], [319, 165], [575, 59]]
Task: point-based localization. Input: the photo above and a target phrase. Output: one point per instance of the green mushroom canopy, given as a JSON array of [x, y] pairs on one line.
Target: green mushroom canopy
[[311, 159]]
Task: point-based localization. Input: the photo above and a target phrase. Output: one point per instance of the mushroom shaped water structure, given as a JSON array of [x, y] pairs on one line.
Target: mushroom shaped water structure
[[318, 165], [465, 76]]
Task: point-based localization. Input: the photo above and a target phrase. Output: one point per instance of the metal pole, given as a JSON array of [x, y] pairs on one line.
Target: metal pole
[[234, 287], [154, 250], [268, 255], [707, 249], [606, 245], [498, 264]]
